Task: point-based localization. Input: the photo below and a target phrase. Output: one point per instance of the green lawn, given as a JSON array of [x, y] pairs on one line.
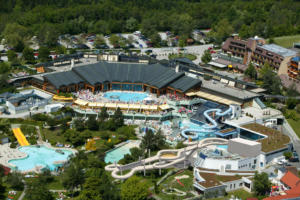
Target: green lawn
[[171, 182], [242, 194], [189, 56], [295, 122], [287, 41]]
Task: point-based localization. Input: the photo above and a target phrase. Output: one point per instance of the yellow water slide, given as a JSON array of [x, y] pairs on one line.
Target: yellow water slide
[[20, 137]]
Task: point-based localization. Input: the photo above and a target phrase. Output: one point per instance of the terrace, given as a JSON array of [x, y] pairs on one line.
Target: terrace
[[275, 140], [213, 180]]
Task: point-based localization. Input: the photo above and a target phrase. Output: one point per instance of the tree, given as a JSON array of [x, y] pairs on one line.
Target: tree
[[292, 91], [261, 185], [4, 68], [44, 54], [134, 188], [73, 177], [114, 40], [2, 190], [288, 155], [251, 71], [291, 103], [28, 55], [15, 35], [48, 35], [92, 124], [118, 118], [79, 126], [221, 31], [103, 114], [90, 145], [131, 24], [36, 190], [12, 57], [153, 141], [15, 181], [155, 39], [271, 82], [206, 57]]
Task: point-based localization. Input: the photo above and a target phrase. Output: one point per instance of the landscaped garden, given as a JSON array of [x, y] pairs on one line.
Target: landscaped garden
[[183, 55], [275, 139], [287, 41]]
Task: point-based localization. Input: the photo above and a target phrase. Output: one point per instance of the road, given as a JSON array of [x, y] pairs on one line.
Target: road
[[295, 140]]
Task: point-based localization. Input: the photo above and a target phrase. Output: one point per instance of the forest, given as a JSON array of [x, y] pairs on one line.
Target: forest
[[268, 18]]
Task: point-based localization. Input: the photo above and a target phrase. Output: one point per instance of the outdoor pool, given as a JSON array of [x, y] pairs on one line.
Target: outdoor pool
[[126, 96], [199, 135], [118, 153], [39, 156]]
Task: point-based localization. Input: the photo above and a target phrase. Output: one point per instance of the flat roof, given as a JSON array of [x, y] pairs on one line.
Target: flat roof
[[227, 90], [215, 64], [244, 141], [279, 50]]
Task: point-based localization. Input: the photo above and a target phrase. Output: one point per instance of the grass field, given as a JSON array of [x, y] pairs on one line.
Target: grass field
[[189, 56], [287, 41], [241, 194], [295, 123]]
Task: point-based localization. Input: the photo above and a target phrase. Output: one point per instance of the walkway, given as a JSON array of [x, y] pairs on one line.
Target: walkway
[[159, 161], [20, 137]]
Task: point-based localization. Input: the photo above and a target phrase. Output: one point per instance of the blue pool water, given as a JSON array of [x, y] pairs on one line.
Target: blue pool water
[[167, 122], [126, 96], [117, 154], [39, 156], [222, 146], [202, 134]]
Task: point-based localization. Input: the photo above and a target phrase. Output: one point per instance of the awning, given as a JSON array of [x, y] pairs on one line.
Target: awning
[[134, 106], [215, 98], [122, 106], [81, 102], [164, 107], [92, 104], [189, 94], [215, 64]]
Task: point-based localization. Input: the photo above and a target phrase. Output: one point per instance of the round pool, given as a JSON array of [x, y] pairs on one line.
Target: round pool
[[125, 96]]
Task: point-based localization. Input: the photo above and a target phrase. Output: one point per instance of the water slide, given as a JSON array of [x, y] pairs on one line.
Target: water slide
[[160, 162], [20, 137], [218, 113]]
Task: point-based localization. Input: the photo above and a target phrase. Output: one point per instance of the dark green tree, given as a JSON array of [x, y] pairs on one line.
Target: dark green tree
[[262, 185], [15, 181], [118, 118], [37, 190], [103, 114], [73, 177], [28, 55], [79, 125], [206, 57], [44, 53], [12, 57], [251, 71], [92, 123], [134, 188], [4, 68]]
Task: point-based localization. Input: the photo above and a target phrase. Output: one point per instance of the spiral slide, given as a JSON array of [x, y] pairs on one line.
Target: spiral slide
[[218, 113]]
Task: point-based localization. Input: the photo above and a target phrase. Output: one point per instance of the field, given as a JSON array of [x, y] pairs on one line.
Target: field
[[287, 41], [189, 56]]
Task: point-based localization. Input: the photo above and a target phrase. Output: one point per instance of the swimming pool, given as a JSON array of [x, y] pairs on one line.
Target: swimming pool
[[39, 156], [125, 96], [200, 132], [118, 153]]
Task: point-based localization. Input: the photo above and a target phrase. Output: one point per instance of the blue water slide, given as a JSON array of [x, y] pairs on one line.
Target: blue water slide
[[218, 113]]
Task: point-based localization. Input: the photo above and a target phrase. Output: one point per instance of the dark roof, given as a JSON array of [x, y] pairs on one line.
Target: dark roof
[[63, 78], [155, 75], [6, 95], [184, 60], [185, 83]]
